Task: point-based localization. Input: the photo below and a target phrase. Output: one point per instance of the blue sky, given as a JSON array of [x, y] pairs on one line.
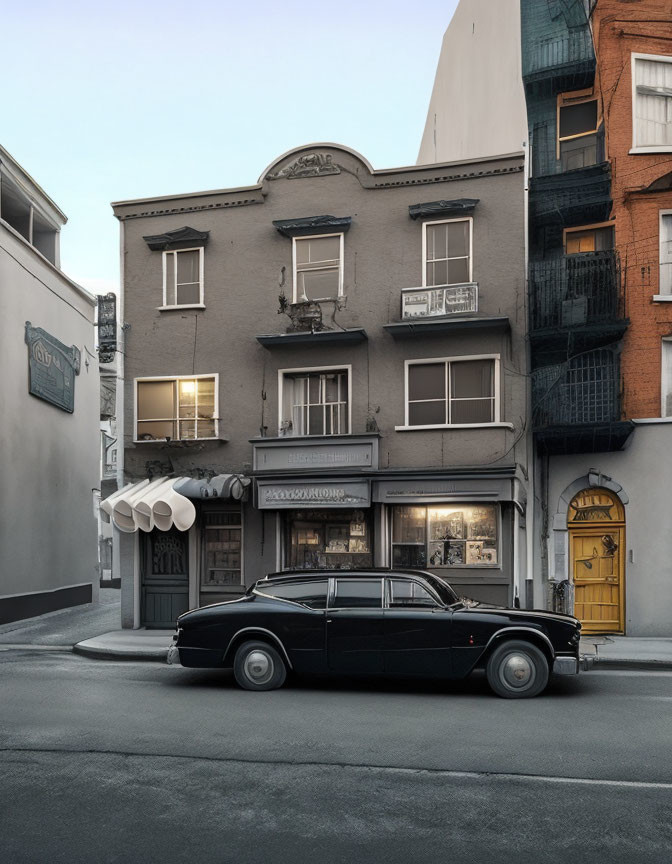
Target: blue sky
[[132, 99]]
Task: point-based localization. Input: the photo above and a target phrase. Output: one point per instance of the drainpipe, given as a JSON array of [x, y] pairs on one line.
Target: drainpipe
[[530, 521]]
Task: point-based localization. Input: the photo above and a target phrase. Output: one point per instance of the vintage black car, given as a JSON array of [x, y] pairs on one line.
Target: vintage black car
[[397, 623]]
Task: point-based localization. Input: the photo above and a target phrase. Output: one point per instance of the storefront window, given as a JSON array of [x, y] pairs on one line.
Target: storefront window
[[331, 539], [459, 535], [222, 537]]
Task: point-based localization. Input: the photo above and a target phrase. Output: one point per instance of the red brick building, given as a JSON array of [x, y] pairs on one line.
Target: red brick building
[[633, 47]]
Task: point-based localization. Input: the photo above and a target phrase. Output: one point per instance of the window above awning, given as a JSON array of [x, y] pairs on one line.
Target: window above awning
[[166, 502]]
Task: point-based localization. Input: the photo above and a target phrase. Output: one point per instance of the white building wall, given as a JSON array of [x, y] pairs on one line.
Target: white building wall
[[50, 458], [477, 106], [648, 558]]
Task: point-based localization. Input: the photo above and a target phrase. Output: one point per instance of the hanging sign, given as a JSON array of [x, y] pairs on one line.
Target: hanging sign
[[52, 367], [107, 327]]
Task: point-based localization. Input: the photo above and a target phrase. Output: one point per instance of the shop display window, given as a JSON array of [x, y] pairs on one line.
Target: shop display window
[[457, 535], [329, 539], [222, 539]]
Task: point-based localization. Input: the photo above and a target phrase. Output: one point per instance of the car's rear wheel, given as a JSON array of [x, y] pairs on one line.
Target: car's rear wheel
[[517, 670], [258, 666]]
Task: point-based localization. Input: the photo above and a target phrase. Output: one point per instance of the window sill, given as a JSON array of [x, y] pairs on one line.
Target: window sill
[[455, 426], [178, 442], [179, 308], [634, 151], [662, 298]]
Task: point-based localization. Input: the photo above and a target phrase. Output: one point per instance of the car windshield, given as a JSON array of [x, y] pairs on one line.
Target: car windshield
[[442, 588]]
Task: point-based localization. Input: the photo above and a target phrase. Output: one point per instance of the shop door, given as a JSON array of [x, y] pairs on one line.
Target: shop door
[[597, 547], [165, 578]]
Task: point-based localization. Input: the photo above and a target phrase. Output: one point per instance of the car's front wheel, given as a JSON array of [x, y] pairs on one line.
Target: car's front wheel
[[517, 670], [258, 666]]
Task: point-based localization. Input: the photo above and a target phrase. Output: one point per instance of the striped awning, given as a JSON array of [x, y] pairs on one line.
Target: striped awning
[[165, 503]]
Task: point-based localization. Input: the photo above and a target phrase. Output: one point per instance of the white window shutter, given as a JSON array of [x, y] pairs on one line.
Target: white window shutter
[[665, 286]]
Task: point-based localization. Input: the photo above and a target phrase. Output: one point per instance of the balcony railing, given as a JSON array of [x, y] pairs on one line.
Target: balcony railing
[[569, 58], [575, 290], [439, 300], [577, 197], [585, 390]]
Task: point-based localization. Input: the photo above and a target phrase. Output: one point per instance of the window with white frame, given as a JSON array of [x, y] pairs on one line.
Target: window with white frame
[[666, 378], [315, 402], [180, 409], [665, 259], [183, 277], [318, 267], [452, 392], [652, 102], [447, 252]]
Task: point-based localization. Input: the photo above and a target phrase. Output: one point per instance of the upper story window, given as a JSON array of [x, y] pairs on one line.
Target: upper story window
[[318, 267], [665, 239], [447, 252], [578, 121], [598, 238], [179, 409], [183, 277], [652, 102], [452, 392], [315, 402], [666, 378]]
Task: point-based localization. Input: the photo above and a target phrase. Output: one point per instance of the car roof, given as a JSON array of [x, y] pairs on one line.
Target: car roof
[[293, 575]]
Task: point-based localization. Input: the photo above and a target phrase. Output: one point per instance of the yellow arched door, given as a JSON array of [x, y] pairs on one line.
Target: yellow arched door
[[596, 523]]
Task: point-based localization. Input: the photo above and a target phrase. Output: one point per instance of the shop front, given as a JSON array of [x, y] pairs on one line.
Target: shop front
[[469, 530]]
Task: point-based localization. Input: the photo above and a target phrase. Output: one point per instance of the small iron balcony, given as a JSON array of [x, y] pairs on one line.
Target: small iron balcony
[[576, 406], [558, 63], [439, 300], [575, 290]]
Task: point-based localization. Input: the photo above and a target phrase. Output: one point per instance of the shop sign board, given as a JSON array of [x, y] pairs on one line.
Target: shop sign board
[[297, 455], [317, 493], [52, 367], [428, 490]]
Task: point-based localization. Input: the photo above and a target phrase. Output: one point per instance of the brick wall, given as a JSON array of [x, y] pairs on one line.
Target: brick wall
[[619, 30]]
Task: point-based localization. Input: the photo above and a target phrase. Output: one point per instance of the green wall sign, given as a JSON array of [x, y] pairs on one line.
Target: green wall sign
[[52, 368]]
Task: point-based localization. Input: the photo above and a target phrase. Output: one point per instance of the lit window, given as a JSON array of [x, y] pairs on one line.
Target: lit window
[[451, 393], [455, 535], [447, 252], [183, 277], [599, 239], [577, 133], [652, 111], [315, 403], [176, 408], [318, 267]]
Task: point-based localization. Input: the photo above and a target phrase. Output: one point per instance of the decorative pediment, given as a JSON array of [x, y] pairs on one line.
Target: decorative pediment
[[308, 225], [310, 165], [181, 238], [443, 208]]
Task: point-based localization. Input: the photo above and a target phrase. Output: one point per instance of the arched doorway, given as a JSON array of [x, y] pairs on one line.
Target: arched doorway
[[596, 523]]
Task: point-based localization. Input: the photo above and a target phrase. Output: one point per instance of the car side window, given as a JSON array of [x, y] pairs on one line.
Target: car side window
[[409, 595], [358, 594], [311, 594]]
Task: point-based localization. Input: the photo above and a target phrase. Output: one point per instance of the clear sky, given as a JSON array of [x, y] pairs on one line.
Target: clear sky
[[108, 101]]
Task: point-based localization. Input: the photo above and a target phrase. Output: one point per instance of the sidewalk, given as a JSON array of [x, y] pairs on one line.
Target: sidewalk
[[139, 645], [628, 652]]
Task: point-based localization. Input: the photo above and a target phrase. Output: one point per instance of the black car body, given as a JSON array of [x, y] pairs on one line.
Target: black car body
[[393, 623]]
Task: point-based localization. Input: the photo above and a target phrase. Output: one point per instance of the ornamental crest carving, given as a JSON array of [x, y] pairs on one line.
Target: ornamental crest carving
[[52, 368], [310, 165]]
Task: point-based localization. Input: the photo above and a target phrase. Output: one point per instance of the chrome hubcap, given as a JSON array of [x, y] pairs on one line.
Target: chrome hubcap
[[517, 671], [259, 667]]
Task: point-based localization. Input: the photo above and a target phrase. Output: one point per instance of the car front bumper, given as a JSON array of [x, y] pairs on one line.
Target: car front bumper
[[571, 665]]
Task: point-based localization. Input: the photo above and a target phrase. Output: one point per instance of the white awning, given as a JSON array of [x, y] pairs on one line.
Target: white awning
[[164, 502]]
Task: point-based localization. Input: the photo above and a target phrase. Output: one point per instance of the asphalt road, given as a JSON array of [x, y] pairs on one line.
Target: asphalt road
[[119, 762]]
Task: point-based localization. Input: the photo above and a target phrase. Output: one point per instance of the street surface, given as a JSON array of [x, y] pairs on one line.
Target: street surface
[[122, 762]]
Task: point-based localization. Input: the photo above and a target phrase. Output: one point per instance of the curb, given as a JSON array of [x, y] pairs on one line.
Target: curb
[[640, 665], [119, 654]]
